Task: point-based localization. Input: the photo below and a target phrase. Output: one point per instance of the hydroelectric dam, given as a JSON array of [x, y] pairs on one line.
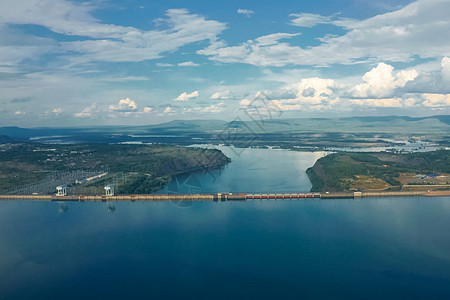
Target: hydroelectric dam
[[220, 197]]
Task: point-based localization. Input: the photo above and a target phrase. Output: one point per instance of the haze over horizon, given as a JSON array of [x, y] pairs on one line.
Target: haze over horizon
[[67, 63]]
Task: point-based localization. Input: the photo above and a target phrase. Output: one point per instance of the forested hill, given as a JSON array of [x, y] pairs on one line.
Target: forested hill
[[360, 171], [146, 168]]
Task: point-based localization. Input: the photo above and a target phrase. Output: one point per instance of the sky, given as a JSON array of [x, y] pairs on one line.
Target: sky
[[128, 62]]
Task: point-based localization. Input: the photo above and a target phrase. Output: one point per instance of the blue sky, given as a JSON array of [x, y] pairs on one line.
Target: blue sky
[[71, 63]]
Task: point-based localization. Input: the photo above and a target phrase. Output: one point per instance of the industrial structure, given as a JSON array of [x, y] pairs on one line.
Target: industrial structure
[[109, 189], [61, 190], [219, 197]]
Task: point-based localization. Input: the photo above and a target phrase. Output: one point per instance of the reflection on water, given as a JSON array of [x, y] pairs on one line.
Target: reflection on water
[[393, 248], [390, 248]]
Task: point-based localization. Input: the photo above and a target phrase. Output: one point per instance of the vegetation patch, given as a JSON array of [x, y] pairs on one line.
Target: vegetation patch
[[86, 168], [360, 171]]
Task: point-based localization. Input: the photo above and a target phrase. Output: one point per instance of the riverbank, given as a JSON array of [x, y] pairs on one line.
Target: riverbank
[[27, 168], [381, 172]]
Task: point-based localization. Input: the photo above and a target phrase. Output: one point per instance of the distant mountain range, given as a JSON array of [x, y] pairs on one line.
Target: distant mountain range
[[439, 124]]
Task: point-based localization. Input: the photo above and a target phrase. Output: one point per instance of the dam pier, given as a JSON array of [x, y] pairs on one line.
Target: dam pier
[[220, 197]]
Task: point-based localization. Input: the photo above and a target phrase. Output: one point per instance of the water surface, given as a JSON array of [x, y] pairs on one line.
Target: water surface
[[251, 170], [387, 248]]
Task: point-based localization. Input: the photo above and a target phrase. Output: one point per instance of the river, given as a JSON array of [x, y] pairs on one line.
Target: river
[[252, 170]]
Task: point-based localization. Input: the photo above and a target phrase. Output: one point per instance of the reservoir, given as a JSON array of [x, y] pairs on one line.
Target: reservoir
[[251, 170], [373, 248]]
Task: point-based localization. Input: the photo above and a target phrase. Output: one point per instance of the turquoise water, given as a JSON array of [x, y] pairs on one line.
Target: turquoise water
[[371, 249], [251, 171]]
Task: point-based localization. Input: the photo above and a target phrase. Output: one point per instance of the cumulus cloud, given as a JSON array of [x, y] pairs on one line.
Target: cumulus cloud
[[188, 64], [445, 69], [168, 110], [212, 109], [215, 96], [380, 81], [185, 96], [87, 112], [245, 102], [223, 95], [383, 87], [436, 100], [399, 36], [309, 93], [124, 105], [385, 102], [246, 12], [57, 110], [148, 109]]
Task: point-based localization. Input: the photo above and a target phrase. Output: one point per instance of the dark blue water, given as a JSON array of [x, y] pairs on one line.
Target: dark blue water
[[312, 249], [368, 249]]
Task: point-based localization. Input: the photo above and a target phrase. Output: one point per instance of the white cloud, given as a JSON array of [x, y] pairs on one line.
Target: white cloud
[[310, 93], [124, 79], [212, 109], [223, 95], [415, 100], [436, 100], [164, 65], [386, 102], [383, 88], [445, 69], [380, 81], [185, 96], [135, 45], [273, 39], [148, 109], [215, 96], [87, 112], [245, 102], [416, 30], [247, 12], [309, 20], [104, 42], [188, 64], [124, 105], [168, 110], [18, 112], [264, 51], [57, 110], [405, 76]]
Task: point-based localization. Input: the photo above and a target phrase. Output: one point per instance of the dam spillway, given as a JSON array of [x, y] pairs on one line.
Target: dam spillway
[[219, 197]]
